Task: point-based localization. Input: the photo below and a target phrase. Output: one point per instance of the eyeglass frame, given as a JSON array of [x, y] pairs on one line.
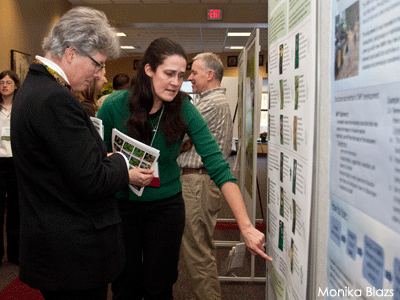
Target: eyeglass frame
[[98, 65], [7, 82]]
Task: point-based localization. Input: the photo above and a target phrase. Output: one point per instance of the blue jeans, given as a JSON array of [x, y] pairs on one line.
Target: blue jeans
[[152, 233]]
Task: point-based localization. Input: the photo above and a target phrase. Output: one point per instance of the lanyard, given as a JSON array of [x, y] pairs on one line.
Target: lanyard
[[156, 129]]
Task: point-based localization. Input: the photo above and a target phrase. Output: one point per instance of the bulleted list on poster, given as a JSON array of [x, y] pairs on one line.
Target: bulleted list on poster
[[139, 155]]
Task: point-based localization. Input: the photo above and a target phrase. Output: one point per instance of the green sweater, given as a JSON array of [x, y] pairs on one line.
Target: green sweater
[[115, 112]]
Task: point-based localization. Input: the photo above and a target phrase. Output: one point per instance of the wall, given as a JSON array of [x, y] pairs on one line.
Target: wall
[[125, 65], [193, 13], [24, 24], [120, 14]]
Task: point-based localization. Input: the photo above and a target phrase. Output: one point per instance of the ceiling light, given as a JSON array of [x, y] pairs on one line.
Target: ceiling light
[[127, 47], [239, 33], [235, 47], [121, 34]]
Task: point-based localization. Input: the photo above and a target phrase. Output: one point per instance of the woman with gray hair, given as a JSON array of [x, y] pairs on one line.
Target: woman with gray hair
[[71, 242]]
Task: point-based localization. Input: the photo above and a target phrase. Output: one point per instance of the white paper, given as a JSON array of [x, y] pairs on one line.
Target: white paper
[[291, 80], [138, 154], [98, 124], [364, 231]]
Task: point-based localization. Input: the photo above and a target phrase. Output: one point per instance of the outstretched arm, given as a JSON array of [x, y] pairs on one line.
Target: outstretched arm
[[253, 238]]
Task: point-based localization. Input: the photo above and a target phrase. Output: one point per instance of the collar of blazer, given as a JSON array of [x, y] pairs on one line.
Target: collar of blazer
[[53, 73]]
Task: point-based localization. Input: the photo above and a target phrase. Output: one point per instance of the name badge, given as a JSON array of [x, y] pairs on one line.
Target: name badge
[[5, 133]]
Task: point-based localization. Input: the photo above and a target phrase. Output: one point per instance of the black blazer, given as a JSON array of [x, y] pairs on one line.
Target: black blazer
[[70, 226]]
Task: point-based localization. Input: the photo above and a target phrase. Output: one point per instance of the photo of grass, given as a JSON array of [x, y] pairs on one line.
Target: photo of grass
[[134, 162], [138, 152], [128, 147]]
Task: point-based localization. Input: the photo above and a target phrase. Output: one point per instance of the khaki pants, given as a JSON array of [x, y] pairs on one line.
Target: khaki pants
[[202, 203]]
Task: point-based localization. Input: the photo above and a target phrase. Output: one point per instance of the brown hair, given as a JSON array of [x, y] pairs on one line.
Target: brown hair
[[14, 77], [141, 96]]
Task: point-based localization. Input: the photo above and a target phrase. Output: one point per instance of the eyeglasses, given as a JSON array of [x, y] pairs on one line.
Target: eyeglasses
[[98, 65], [6, 82]]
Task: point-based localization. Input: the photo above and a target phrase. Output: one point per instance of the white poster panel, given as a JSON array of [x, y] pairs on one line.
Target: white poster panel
[[291, 79], [364, 240]]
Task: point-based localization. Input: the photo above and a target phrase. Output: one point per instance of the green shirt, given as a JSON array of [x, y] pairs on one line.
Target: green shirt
[[115, 113]]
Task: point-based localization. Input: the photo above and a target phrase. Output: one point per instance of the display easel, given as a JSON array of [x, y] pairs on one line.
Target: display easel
[[249, 98]]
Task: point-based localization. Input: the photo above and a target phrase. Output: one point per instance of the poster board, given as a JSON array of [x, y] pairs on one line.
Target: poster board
[[364, 211], [251, 108], [292, 101]]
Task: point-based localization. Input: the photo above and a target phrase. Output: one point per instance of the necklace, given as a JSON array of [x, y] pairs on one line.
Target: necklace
[[156, 128]]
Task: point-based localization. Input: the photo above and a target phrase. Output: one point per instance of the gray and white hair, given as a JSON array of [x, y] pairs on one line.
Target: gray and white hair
[[85, 29], [212, 62]]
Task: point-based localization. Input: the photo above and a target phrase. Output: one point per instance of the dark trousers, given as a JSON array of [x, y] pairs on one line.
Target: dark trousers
[[9, 196], [92, 294], [152, 235]]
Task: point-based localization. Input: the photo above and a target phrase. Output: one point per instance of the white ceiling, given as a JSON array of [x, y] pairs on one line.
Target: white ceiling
[[194, 37]]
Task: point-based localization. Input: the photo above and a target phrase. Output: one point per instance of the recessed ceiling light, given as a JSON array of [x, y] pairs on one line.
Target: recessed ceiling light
[[127, 47], [239, 33], [235, 47], [121, 34]]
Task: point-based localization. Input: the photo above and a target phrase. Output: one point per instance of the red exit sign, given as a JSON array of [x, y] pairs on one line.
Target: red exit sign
[[214, 14]]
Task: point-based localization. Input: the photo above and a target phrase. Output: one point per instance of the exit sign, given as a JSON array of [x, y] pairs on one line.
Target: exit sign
[[214, 14]]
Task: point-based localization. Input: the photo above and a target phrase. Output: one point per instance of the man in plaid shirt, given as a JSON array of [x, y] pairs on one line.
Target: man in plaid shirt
[[202, 197]]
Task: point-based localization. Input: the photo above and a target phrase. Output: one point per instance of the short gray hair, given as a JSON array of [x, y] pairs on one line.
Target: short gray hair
[[212, 62], [85, 29]]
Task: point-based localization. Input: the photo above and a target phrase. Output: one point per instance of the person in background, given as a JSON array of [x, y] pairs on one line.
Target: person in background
[[9, 84], [155, 112], [120, 82], [201, 195], [71, 240], [88, 97]]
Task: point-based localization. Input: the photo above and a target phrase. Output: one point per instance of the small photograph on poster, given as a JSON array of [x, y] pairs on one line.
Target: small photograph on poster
[[282, 203], [296, 92], [282, 96], [281, 232], [295, 133], [296, 51], [280, 59], [294, 176], [291, 255], [281, 130], [347, 42], [294, 216], [281, 168]]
